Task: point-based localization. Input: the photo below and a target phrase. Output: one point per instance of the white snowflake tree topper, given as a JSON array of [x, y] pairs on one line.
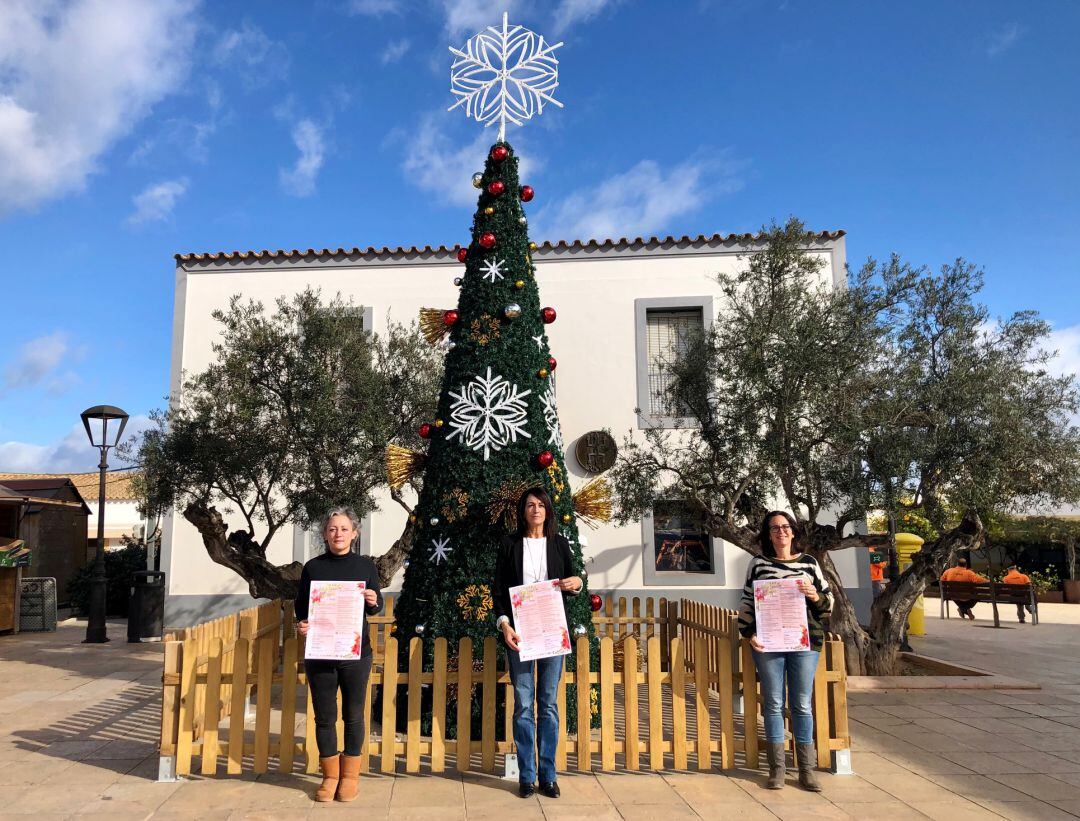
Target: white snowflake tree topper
[[440, 550], [504, 75], [488, 414], [492, 269]]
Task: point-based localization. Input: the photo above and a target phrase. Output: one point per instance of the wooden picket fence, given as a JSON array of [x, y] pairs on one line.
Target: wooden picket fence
[[674, 683]]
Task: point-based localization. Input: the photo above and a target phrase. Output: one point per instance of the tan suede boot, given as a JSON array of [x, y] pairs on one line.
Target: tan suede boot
[[777, 769], [331, 772], [349, 787], [807, 759]]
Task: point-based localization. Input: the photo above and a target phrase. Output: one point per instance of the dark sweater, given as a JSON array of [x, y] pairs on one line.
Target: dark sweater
[[329, 567], [804, 565]]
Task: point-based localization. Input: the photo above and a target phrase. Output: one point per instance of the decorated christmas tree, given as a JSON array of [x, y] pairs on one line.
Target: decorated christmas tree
[[497, 431]]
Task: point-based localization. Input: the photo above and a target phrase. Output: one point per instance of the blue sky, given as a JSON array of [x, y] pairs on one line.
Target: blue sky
[[133, 130]]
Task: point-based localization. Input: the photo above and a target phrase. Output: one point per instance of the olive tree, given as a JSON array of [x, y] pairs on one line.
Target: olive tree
[[894, 392], [291, 418]]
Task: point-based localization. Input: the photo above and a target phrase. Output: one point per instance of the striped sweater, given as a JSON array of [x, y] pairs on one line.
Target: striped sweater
[[763, 568]]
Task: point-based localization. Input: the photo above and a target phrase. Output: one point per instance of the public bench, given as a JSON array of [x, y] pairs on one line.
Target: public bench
[[991, 593]]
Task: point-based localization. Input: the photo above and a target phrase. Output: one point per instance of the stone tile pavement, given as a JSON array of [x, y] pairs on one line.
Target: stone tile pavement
[[78, 726]]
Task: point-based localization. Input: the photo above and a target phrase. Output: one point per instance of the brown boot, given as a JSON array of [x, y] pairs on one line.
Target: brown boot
[[807, 758], [349, 787], [775, 754], [331, 772]]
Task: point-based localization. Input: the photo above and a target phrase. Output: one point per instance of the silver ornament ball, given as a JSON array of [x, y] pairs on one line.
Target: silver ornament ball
[[434, 520], [420, 629], [451, 345], [580, 630], [522, 220], [477, 180], [512, 311], [458, 281]]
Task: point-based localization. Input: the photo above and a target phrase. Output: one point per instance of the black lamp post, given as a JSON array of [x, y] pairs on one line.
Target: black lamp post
[[104, 425]]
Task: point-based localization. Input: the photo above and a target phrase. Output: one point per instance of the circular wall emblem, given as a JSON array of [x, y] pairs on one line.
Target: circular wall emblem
[[596, 451]]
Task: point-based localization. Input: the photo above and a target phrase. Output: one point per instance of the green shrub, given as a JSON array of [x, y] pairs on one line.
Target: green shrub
[[119, 565]]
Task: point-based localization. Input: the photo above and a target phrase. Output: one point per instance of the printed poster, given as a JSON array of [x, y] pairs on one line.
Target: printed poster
[[540, 620], [335, 620], [780, 610]]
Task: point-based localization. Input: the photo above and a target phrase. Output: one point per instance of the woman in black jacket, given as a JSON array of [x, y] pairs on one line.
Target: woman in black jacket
[[536, 553], [341, 773]]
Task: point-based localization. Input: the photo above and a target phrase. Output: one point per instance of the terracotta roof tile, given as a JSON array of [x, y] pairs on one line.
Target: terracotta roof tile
[[445, 250], [117, 483]]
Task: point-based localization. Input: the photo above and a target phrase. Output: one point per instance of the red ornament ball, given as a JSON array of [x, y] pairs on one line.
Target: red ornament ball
[[545, 458], [424, 430], [548, 315], [449, 318], [487, 240], [595, 602], [552, 364], [500, 153], [496, 188], [526, 193], [462, 254]]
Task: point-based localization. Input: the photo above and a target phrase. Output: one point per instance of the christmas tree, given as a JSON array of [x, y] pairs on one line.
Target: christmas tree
[[496, 433]]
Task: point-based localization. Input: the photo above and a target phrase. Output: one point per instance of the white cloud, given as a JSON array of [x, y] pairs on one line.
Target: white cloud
[[75, 78], [433, 163], [1066, 341], [70, 454], [1003, 39], [467, 17], [252, 54], [640, 201], [300, 179], [38, 362], [569, 12], [394, 51], [155, 202], [375, 8]]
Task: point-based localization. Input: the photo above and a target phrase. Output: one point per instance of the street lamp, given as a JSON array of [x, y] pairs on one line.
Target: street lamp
[[104, 425]]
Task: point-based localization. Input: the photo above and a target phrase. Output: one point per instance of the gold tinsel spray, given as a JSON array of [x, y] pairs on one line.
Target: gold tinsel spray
[[433, 325], [402, 465], [592, 503]]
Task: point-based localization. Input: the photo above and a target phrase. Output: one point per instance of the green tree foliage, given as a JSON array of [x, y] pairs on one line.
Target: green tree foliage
[[893, 393], [292, 418], [496, 415]]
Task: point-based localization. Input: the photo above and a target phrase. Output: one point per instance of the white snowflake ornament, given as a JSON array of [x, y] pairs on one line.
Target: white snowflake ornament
[[551, 417], [493, 270], [504, 74], [440, 550], [488, 414]]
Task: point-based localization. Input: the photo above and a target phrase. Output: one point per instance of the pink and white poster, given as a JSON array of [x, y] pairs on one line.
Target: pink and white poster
[[335, 620], [780, 611], [540, 620]]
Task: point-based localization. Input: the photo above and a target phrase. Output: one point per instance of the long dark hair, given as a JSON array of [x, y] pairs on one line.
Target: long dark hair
[[549, 518], [765, 541]]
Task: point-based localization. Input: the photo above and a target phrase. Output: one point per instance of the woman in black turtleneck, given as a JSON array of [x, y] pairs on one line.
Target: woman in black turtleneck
[[341, 774]]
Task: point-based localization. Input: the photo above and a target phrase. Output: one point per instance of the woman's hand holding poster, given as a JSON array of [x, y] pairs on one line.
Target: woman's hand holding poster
[[780, 610], [540, 620], [335, 620]]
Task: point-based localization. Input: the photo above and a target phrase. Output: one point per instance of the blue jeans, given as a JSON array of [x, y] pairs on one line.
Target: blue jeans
[[798, 669], [545, 692]]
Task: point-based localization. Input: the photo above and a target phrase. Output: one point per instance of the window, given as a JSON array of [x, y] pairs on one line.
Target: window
[[665, 328], [680, 541], [667, 335]]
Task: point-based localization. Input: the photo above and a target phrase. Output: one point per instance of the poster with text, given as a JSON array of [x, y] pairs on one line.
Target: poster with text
[[780, 611], [335, 620], [540, 620]]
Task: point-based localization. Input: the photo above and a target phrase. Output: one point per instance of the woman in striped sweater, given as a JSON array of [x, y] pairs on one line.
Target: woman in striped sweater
[[782, 558]]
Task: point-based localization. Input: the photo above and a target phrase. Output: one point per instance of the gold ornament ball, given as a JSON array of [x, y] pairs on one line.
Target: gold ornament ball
[[489, 210], [532, 246], [412, 517], [542, 373], [438, 423], [519, 284], [555, 498], [566, 518]]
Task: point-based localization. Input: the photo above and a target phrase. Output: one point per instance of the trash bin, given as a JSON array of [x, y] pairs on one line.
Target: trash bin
[[146, 607]]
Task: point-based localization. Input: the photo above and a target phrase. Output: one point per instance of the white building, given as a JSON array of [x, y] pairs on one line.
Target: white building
[[619, 303]]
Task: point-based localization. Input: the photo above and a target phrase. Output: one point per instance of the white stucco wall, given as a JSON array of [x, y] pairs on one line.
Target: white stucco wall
[[594, 290]]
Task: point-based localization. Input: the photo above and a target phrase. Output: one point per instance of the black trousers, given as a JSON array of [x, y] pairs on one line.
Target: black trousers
[[324, 680]]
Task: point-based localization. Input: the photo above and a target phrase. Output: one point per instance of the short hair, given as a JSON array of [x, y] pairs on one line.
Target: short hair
[[765, 541], [961, 561], [347, 512], [549, 519]]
